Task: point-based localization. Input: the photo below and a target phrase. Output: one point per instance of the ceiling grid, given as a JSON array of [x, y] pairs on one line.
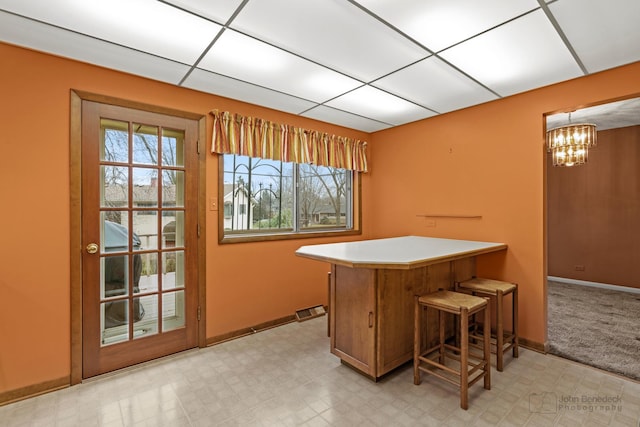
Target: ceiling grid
[[363, 64]]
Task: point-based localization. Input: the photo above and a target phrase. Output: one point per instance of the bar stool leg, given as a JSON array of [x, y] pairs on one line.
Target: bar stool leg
[[514, 316], [487, 346], [499, 330], [441, 328], [329, 304], [464, 353], [416, 341]]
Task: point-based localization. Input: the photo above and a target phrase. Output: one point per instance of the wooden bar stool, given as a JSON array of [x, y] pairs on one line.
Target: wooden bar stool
[[433, 360], [496, 290]]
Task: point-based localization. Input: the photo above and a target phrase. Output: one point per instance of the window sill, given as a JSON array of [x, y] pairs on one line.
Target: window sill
[[244, 238]]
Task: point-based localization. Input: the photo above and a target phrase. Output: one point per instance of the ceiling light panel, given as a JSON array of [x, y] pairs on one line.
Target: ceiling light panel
[[436, 85], [54, 40], [231, 88], [146, 25], [331, 32], [218, 11], [342, 118], [438, 24], [603, 34], [251, 60], [378, 105], [524, 54]]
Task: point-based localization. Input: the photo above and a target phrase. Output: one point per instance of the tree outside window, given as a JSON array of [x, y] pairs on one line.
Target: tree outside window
[[269, 197]]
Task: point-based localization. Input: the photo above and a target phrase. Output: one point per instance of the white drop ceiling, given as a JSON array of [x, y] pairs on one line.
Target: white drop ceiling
[[363, 64]]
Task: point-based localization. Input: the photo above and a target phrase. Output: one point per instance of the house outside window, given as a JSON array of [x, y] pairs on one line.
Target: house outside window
[[269, 198]]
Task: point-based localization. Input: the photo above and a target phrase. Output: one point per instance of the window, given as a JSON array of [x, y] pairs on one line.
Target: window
[[268, 197]]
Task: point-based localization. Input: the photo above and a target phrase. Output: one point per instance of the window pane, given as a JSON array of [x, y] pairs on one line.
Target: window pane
[[148, 281], [146, 316], [145, 227], [115, 187], [145, 144], [173, 229], [172, 270], [145, 187], [172, 188], [114, 234], [322, 197], [114, 316], [172, 147], [173, 314], [258, 194], [114, 272], [114, 144]]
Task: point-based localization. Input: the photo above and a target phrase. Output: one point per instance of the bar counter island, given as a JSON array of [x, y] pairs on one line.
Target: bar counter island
[[372, 288]]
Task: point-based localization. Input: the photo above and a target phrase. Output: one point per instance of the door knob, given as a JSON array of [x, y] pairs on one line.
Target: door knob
[[92, 248]]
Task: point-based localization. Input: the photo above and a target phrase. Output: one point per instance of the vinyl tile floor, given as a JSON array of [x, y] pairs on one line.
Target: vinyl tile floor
[[286, 376]]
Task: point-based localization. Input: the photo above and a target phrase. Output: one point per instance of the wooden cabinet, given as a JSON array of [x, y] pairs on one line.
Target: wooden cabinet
[[371, 311]]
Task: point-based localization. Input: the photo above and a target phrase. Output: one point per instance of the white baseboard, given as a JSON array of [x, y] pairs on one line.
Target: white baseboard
[[595, 284]]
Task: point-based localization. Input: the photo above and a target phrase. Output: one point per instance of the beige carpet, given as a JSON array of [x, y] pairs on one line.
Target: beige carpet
[[594, 326]]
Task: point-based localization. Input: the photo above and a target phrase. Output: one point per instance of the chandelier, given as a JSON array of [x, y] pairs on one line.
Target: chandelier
[[569, 145]]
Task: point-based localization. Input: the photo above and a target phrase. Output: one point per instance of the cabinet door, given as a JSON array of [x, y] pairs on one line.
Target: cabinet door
[[353, 317], [396, 298]]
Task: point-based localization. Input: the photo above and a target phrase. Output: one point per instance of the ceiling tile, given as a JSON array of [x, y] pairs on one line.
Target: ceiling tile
[[378, 105], [611, 115], [218, 11], [251, 60], [436, 85], [342, 118], [35, 35], [603, 34], [146, 25], [231, 88], [518, 56], [438, 24], [332, 32]]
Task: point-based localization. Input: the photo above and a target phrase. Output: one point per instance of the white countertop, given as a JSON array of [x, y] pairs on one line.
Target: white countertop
[[397, 252]]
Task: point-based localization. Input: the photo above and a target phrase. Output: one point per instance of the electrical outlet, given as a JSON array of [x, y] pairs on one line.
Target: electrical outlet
[[430, 222], [579, 267]]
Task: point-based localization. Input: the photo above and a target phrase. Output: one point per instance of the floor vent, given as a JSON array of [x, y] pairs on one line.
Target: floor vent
[[310, 313]]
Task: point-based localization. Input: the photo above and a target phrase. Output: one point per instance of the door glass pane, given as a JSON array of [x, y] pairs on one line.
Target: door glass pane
[[172, 189], [114, 317], [173, 229], [146, 312], [114, 235], [114, 272], [173, 270], [145, 227], [172, 147], [149, 272], [145, 144], [114, 190], [145, 187], [172, 310], [114, 141]]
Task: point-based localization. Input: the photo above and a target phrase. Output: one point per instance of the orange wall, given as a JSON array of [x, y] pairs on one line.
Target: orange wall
[[487, 160], [247, 284]]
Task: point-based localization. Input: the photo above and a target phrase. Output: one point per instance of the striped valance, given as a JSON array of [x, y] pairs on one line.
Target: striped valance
[[254, 137]]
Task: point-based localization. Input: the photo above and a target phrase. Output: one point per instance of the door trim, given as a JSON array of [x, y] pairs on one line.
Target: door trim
[[75, 206]]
